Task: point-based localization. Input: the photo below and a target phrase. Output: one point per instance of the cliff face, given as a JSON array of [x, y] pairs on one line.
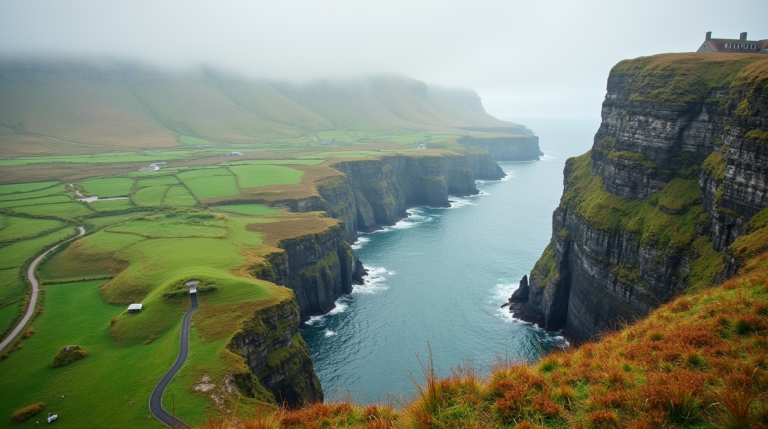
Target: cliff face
[[319, 268], [280, 366], [678, 166], [507, 148], [377, 192]]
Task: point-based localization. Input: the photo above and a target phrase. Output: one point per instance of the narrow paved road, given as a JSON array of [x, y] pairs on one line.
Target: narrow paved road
[[35, 290], [156, 398]]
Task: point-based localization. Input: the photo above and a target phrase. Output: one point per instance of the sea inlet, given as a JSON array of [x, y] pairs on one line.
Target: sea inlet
[[437, 280]]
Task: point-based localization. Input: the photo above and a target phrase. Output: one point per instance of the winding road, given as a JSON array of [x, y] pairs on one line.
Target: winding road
[[156, 398], [35, 290]]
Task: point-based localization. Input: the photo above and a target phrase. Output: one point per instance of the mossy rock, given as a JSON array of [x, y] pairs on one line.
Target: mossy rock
[[67, 355]]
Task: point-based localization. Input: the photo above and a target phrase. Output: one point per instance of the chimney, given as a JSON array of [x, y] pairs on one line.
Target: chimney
[[709, 35], [743, 36]]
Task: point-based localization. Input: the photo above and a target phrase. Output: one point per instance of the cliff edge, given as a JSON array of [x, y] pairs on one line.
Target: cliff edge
[[678, 167]]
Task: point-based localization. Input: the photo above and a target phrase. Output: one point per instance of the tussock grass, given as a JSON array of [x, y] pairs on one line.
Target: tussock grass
[[698, 361]]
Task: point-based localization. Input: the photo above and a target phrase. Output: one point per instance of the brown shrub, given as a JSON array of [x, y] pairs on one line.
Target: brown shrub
[[27, 412]]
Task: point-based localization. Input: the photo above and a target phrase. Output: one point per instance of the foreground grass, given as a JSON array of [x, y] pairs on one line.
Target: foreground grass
[[699, 361]]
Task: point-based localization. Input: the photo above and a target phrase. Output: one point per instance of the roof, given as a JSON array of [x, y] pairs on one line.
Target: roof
[[734, 46], [135, 307]]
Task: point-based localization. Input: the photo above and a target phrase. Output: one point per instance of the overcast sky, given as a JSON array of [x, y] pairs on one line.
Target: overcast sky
[[528, 60]]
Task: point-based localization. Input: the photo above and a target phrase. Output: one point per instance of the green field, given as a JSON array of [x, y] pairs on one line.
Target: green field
[[252, 176], [35, 201], [8, 314], [249, 209], [210, 183], [157, 181], [24, 187], [111, 187], [34, 194], [12, 287], [179, 196], [151, 196], [63, 210], [15, 254], [110, 205], [17, 228], [157, 229]]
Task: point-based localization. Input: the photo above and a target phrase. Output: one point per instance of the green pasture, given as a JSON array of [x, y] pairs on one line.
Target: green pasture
[[15, 254], [95, 223], [109, 387], [157, 181], [63, 210], [152, 229], [24, 187], [110, 205], [249, 209], [103, 158], [202, 173], [19, 228], [252, 176], [212, 186], [12, 286], [277, 162], [179, 196], [8, 315], [151, 196], [35, 201], [189, 140], [34, 194], [108, 187]]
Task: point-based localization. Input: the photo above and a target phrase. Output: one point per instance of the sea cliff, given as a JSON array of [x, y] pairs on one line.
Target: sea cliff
[[320, 267], [280, 367], [677, 168]]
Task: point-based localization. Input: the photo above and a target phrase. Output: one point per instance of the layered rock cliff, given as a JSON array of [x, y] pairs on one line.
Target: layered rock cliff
[[281, 369], [320, 267], [678, 166], [507, 148]]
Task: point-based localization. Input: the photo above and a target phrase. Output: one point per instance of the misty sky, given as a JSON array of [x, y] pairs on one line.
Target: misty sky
[[528, 60]]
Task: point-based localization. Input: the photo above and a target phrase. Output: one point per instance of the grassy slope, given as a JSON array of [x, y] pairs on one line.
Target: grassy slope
[[699, 361]]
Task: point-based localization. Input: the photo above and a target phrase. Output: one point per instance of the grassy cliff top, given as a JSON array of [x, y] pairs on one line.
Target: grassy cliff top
[[690, 77]]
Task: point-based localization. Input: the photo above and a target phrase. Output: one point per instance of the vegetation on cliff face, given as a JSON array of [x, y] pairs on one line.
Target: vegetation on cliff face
[[666, 220]]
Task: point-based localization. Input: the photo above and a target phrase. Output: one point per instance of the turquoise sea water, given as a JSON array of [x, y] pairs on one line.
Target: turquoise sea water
[[439, 277]]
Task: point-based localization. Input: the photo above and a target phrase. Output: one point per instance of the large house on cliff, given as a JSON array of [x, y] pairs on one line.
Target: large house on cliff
[[733, 46]]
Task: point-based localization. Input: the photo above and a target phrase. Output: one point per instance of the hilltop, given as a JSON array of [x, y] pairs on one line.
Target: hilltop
[[67, 107]]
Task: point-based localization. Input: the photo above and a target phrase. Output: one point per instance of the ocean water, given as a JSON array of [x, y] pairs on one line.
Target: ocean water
[[438, 278]]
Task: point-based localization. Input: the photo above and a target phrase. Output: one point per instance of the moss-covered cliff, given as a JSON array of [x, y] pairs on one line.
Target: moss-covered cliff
[[677, 169], [280, 366]]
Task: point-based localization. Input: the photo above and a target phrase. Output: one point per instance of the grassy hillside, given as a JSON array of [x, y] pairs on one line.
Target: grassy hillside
[[88, 107]]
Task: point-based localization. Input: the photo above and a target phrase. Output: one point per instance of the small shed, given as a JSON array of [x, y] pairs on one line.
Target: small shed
[[135, 308], [192, 285]]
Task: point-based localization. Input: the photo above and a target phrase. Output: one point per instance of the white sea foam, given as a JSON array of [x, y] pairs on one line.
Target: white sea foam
[[329, 333], [315, 320], [458, 202], [361, 240], [340, 308], [374, 281]]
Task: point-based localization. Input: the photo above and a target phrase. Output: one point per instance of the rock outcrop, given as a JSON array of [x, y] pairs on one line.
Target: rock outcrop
[[678, 166], [507, 148], [280, 367]]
